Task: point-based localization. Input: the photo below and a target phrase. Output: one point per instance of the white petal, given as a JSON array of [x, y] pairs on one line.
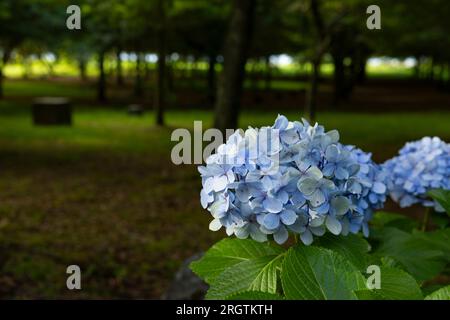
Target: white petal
[[215, 225]]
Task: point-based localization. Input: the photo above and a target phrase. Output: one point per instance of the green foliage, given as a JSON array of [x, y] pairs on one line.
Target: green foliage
[[255, 295], [319, 274], [333, 268], [442, 196], [396, 284], [420, 258], [395, 220], [258, 274], [352, 247], [227, 253], [441, 294], [437, 240]]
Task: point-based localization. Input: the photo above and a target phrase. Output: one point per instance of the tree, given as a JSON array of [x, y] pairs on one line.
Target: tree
[[235, 57], [27, 20], [325, 31], [199, 29], [162, 51]]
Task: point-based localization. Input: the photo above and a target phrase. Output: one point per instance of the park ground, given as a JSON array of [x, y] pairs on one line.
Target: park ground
[[105, 195]]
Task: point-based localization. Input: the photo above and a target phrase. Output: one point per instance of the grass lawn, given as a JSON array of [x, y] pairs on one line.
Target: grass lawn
[[33, 88], [103, 194]]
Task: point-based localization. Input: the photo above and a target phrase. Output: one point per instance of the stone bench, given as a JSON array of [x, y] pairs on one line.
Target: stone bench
[[52, 111], [135, 110]]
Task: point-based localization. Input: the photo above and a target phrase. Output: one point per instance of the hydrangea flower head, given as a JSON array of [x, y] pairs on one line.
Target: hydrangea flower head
[[419, 167], [290, 177]]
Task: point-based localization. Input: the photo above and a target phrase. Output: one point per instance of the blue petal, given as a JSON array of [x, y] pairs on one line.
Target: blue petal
[[355, 188], [281, 122], [271, 221], [341, 173], [379, 187], [288, 217], [328, 169], [315, 173], [332, 152], [298, 199], [289, 137], [242, 193], [241, 233], [307, 186], [256, 234], [306, 237], [323, 209], [333, 225], [373, 198], [317, 198], [205, 198], [318, 231], [297, 226], [208, 185], [281, 235], [340, 205], [219, 207], [272, 205]]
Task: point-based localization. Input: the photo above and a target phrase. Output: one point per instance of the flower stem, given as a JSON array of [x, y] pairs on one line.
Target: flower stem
[[426, 218]]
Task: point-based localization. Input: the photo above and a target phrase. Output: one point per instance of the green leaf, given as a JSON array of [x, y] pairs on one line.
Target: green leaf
[[367, 294], [260, 274], [441, 294], [395, 220], [440, 220], [396, 284], [254, 295], [442, 197], [229, 252], [351, 247], [317, 273], [439, 240], [421, 259]]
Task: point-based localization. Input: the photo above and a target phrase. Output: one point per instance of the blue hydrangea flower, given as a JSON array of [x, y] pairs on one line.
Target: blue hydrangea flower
[[420, 166], [292, 177]]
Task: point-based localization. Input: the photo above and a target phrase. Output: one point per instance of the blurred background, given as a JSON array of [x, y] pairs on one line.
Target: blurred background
[[87, 178]]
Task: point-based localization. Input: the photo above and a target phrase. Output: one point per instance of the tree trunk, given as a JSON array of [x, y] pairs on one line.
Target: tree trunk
[[254, 75], [431, 71], [26, 68], [440, 77], [161, 81], [361, 74], [321, 45], [235, 57], [339, 78], [212, 79], [447, 84], [268, 75], [119, 79], [101, 87], [138, 78], [1, 81], [4, 59], [146, 69], [416, 73], [170, 74], [82, 69], [311, 96]]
